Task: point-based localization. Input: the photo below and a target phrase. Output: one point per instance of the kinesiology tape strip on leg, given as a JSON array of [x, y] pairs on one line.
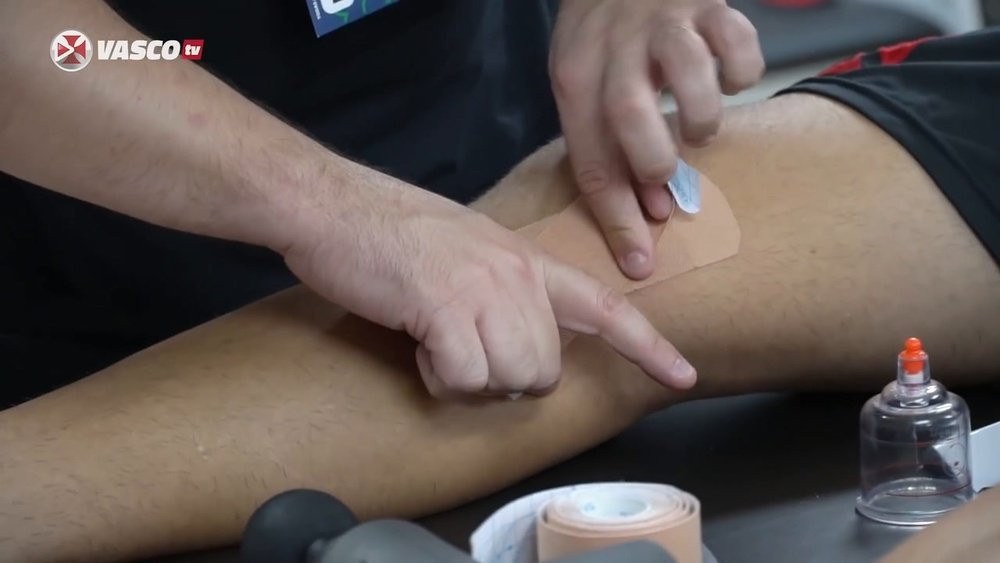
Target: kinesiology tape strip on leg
[[684, 243]]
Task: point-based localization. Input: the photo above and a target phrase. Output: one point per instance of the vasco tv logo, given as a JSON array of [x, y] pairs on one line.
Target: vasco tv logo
[[71, 50]]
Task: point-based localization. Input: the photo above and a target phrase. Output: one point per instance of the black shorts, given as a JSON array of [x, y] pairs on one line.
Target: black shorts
[[940, 99]]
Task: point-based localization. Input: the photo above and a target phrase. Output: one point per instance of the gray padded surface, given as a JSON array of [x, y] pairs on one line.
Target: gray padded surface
[[776, 475], [795, 36]]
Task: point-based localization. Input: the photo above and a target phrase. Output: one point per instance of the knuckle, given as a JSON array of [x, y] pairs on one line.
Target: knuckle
[[520, 377], [740, 81], [701, 122], [471, 378], [592, 178], [438, 392], [675, 42], [709, 123], [619, 37], [521, 265], [527, 378], [738, 43], [567, 76], [467, 374], [698, 134], [735, 30], [742, 22], [528, 266], [656, 172], [520, 366], [626, 107], [663, 17], [611, 304], [551, 374]]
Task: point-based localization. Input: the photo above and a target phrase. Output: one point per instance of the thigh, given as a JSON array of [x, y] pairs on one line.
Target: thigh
[[848, 247]]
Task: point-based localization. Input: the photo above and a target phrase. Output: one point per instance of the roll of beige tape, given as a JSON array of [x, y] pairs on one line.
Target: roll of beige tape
[[570, 520], [597, 517]]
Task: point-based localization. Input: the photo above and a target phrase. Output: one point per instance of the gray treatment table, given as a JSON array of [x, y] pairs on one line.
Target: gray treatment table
[[776, 475]]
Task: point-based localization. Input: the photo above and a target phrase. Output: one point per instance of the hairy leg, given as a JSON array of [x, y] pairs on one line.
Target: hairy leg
[[847, 249]]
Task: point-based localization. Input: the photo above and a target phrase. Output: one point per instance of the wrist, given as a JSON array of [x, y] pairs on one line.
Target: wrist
[[310, 195], [295, 190]]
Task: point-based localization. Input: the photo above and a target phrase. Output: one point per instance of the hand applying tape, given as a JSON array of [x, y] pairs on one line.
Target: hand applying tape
[[684, 242]]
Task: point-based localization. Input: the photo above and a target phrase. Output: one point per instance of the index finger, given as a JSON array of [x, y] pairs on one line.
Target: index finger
[[598, 168], [587, 306]]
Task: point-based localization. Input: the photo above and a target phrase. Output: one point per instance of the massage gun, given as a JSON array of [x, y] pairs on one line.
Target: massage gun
[[305, 526]]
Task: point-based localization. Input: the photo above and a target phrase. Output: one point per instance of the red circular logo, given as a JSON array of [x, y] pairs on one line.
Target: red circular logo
[[71, 50]]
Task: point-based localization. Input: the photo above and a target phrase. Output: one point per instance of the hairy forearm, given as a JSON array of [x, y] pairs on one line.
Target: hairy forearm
[[287, 393], [163, 141]]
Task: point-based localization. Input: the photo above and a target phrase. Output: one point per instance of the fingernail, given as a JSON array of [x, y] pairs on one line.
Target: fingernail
[[684, 373], [635, 262]]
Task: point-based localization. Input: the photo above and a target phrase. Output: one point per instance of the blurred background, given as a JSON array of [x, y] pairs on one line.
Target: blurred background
[[802, 37]]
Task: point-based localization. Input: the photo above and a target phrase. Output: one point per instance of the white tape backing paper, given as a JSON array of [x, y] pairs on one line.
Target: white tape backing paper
[[508, 536], [984, 447], [686, 188]]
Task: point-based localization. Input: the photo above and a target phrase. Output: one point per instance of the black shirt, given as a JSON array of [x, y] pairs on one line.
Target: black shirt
[[447, 94]]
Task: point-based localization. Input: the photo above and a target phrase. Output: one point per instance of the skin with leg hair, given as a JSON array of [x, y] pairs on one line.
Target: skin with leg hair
[[847, 248]]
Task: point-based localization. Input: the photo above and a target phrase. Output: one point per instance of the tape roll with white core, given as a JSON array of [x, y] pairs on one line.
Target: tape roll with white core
[[571, 520], [597, 517]]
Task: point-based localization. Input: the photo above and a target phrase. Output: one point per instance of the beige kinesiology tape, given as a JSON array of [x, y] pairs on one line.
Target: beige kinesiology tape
[[684, 243], [557, 523]]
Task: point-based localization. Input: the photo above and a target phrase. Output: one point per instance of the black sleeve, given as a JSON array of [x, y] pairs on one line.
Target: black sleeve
[[940, 99]]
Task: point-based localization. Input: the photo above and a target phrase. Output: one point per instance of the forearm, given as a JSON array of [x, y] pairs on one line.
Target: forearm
[[163, 141], [173, 449]]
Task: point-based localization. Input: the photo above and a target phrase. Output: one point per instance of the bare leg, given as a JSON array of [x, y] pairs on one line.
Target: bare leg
[[847, 249]]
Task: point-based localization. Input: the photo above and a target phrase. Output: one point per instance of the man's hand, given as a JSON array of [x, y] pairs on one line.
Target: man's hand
[[483, 302], [609, 61]]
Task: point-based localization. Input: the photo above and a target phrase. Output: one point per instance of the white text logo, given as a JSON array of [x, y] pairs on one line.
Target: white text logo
[[72, 50]]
